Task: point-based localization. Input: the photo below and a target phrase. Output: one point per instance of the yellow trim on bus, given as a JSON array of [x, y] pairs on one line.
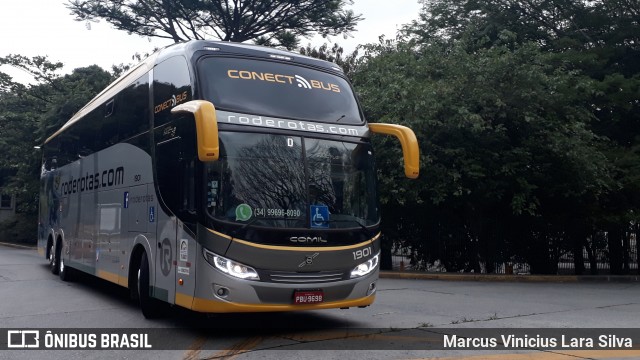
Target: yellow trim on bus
[[294, 248], [220, 234], [41, 251], [114, 278], [183, 300], [212, 306]]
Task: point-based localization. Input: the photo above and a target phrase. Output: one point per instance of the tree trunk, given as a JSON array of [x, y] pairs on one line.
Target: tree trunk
[[386, 261], [578, 252], [591, 252], [635, 236], [614, 240], [637, 250], [626, 252]]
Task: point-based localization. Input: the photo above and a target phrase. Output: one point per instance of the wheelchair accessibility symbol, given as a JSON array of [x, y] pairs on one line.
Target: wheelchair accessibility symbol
[[319, 216]]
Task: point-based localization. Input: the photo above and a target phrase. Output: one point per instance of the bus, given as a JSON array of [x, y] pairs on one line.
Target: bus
[[220, 177]]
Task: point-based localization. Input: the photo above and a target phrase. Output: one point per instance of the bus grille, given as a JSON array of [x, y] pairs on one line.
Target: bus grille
[[306, 278]]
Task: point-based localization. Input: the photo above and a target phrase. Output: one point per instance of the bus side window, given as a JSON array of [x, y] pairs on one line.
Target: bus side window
[[175, 158], [109, 132], [50, 154], [175, 138], [68, 148], [171, 86], [133, 115], [87, 132]]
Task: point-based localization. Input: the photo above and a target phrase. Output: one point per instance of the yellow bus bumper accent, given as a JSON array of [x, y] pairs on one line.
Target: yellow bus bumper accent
[[212, 306]]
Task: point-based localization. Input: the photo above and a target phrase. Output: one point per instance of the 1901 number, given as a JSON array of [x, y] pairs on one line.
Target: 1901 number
[[362, 253]]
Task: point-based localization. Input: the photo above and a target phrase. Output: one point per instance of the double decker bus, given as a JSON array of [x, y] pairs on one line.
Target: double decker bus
[[220, 177]]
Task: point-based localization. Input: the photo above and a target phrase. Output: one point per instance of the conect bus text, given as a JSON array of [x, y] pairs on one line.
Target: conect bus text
[[108, 178]]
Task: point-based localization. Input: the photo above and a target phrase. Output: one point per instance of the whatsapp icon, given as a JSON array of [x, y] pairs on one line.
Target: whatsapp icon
[[243, 212]]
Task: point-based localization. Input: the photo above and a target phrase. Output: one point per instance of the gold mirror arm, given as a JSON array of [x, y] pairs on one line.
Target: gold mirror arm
[[204, 114], [409, 143]]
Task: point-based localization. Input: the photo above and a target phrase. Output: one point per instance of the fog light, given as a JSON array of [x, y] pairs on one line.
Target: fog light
[[371, 289], [222, 292]]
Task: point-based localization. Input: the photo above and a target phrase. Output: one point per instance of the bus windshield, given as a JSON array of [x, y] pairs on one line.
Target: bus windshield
[[286, 181], [277, 89]]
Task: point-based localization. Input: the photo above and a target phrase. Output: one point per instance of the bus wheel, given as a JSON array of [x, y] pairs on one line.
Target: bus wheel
[[65, 272], [54, 258], [150, 307]]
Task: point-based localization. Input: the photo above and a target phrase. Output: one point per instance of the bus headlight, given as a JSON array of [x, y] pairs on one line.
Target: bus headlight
[[230, 267], [366, 267]]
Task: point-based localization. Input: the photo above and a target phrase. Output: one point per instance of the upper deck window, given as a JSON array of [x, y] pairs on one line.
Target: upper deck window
[[277, 89], [171, 86]]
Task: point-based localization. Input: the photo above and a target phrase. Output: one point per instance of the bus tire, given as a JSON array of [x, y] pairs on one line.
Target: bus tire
[[55, 262], [151, 308], [52, 256], [65, 272]]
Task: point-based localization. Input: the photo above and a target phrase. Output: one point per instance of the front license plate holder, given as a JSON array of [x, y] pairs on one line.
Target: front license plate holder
[[304, 297]]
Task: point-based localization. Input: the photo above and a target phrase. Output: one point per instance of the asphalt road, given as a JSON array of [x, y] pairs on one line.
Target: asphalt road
[[32, 297]]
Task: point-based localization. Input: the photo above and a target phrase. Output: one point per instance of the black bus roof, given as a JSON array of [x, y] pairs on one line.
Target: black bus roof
[[228, 48], [188, 49]]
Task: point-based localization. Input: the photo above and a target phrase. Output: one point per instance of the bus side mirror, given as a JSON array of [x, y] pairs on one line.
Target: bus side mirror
[[409, 143], [204, 114]]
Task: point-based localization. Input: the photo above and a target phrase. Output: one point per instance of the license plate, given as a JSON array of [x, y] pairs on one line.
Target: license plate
[[308, 297]]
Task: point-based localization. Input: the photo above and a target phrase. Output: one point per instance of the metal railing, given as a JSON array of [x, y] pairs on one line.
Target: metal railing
[[405, 259]]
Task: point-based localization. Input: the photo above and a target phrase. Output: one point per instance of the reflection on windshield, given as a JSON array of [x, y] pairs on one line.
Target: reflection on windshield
[[341, 178], [271, 180], [261, 176]]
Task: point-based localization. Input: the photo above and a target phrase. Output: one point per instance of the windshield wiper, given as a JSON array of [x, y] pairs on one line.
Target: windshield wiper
[[362, 226], [250, 223], [244, 227]]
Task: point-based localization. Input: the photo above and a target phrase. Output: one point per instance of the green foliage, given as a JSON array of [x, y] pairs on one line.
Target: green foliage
[[19, 229], [272, 23], [521, 119], [335, 55], [31, 113]]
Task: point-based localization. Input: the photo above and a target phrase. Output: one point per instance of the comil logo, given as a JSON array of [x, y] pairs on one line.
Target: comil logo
[[302, 82]]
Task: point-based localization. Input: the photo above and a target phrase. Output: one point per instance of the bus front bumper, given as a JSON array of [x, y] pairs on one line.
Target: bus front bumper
[[217, 292]]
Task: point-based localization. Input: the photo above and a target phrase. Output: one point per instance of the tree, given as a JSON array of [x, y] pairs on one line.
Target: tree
[[276, 23], [334, 54], [30, 113], [597, 41], [505, 145]]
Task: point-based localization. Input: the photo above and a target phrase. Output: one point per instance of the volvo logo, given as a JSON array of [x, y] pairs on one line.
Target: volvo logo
[[307, 239], [308, 260]]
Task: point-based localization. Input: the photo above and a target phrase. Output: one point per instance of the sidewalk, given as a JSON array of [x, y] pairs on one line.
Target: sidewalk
[[510, 278], [18, 246]]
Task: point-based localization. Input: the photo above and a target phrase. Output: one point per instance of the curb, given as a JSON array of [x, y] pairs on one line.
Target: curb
[[509, 278], [18, 246]]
